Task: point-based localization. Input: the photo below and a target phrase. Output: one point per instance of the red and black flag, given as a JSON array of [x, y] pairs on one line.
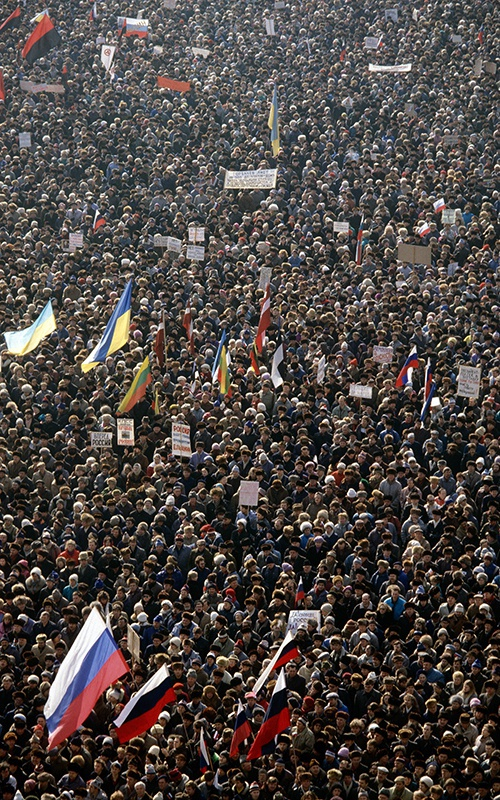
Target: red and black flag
[[12, 21], [41, 41]]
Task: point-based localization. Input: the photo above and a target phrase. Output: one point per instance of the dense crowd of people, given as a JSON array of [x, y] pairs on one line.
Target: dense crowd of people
[[388, 517]]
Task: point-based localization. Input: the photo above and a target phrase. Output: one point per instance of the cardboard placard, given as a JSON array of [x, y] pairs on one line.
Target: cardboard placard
[[125, 432], [249, 493], [181, 440], [415, 254], [101, 439], [469, 381], [448, 216]]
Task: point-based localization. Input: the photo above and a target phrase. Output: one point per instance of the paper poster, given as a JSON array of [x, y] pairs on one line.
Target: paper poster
[[173, 244], [414, 254], [478, 67], [451, 139], [195, 252], [395, 69], [107, 55], [265, 277], [269, 23], [359, 390], [160, 241], [196, 234], [251, 179], [490, 67], [249, 493], [181, 440], [75, 241], [391, 13], [382, 355], [125, 432], [456, 38], [469, 381], [410, 109], [298, 619], [372, 42], [170, 4], [25, 140], [341, 227], [101, 439], [278, 4]]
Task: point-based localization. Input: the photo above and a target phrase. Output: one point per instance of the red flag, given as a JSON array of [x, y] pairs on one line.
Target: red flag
[[2, 87], [187, 324], [43, 39], [159, 346], [12, 21], [342, 54], [176, 86], [265, 319]]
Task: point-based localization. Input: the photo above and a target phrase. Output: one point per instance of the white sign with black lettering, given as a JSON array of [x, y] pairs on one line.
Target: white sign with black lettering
[[341, 227], [181, 440], [359, 390], [195, 252], [469, 381], [299, 619], [101, 438], [125, 432]]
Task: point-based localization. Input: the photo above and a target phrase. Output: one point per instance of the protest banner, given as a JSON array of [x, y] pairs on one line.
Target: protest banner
[[299, 618], [382, 355], [175, 86], [448, 216], [250, 179], [36, 88], [395, 69], [469, 381], [181, 440], [195, 252], [249, 493], [341, 227], [125, 435], [456, 38], [360, 390], [101, 439]]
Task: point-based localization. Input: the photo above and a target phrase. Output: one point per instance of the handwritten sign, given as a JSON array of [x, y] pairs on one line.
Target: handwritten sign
[[196, 234], [195, 252], [160, 241], [173, 244], [101, 439], [372, 42], [469, 380], [359, 390], [181, 440], [265, 277], [269, 23], [75, 241], [25, 140], [125, 432], [448, 216], [382, 355], [299, 619], [341, 227]]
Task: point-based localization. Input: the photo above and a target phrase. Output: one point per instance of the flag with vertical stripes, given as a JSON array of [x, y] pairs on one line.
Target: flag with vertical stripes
[[278, 368]]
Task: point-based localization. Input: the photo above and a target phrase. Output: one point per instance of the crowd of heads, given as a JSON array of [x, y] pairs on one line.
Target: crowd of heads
[[375, 520]]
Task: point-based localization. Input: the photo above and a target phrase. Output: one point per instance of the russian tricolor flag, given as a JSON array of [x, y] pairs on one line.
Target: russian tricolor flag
[[137, 28], [410, 364], [99, 220], [143, 709], [93, 663], [429, 389], [359, 242], [205, 762], [424, 229], [299, 594], [439, 205], [276, 720], [242, 730], [287, 652]]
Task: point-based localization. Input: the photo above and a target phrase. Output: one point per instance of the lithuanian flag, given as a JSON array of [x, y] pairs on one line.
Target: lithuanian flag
[[138, 387]]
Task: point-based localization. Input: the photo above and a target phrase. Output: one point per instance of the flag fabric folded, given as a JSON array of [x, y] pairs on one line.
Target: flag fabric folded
[[21, 342], [287, 652], [142, 710], [138, 388], [159, 345], [359, 243], [92, 664], [115, 334], [216, 364], [278, 368], [439, 205], [93, 12], [99, 220], [410, 364], [187, 324], [300, 594], [254, 359], [321, 372], [429, 389], [264, 321], [41, 41], [223, 375], [273, 124], [424, 229], [205, 762], [176, 86], [12, 21], [242, 731], [276, 720], [2, 87]]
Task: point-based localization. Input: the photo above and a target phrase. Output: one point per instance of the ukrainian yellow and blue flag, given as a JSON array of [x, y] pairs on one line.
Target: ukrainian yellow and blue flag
[[115, 334], [21, 342], [273, 124]]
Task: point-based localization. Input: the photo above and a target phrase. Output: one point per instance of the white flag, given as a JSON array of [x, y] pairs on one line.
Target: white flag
[[107, 55], [320, 375]]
